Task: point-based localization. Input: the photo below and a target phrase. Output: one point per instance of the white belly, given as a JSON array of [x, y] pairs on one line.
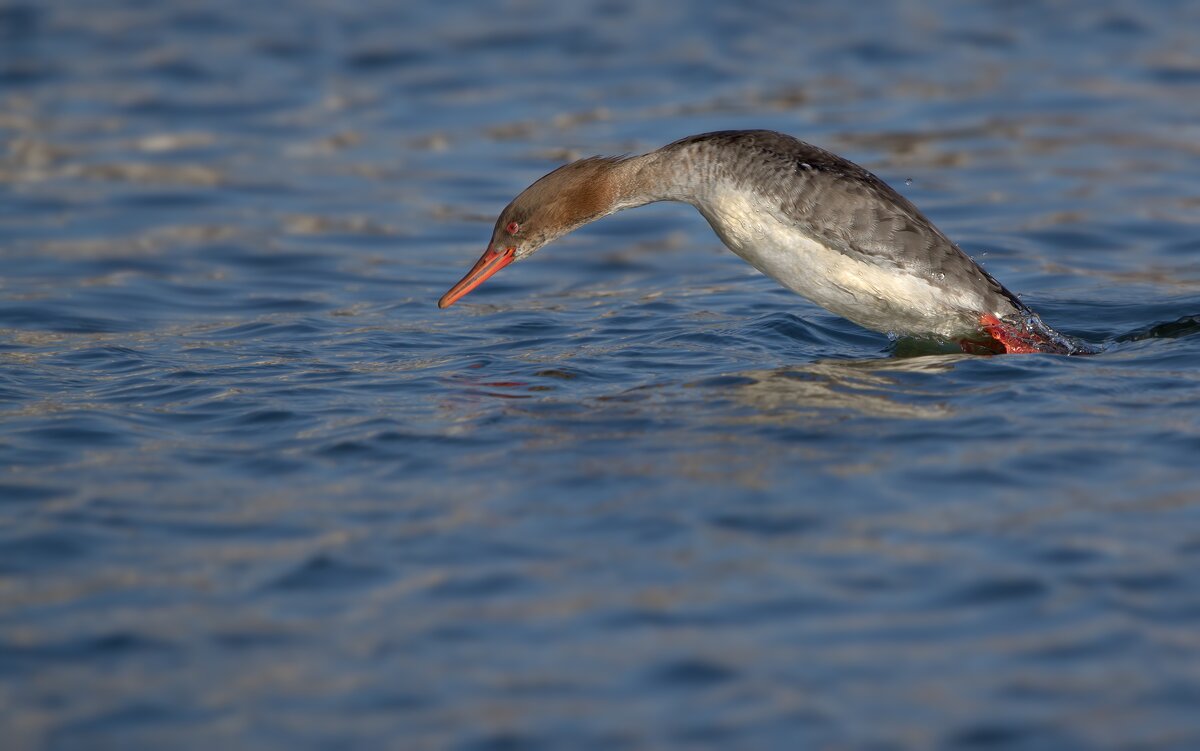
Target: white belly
[[875, 297]]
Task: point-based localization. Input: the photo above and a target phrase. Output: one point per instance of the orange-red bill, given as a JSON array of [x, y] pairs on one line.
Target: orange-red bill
[[489, 263]]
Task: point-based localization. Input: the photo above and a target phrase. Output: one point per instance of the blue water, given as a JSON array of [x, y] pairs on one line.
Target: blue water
[[257, 491]]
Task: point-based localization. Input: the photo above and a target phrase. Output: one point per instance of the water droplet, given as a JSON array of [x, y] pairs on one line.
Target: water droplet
[[941, 275], [908, 181]]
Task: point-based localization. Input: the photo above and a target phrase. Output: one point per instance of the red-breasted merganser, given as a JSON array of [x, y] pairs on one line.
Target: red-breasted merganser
[[818, 224]]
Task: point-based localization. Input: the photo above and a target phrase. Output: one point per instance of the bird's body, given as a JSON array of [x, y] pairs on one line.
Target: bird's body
[[816, 223]]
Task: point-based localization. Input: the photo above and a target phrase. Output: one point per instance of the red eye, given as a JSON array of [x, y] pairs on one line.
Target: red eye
[[513, 228]]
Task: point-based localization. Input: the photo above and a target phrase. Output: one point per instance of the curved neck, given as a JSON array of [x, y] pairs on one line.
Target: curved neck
[[582, 192], [656, 176]]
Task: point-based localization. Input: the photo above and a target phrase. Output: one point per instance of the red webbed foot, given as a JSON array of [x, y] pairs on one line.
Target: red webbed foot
[[1015, 340]]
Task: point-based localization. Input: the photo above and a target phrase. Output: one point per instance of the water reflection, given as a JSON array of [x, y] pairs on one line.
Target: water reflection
[[867, 387]]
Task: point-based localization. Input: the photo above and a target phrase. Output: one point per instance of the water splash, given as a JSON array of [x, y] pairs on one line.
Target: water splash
[[1051, 341]]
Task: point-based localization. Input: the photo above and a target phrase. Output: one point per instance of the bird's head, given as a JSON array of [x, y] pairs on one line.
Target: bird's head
[[558, 203]]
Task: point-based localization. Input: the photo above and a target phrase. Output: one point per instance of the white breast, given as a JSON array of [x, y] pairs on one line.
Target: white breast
[[877, 297]]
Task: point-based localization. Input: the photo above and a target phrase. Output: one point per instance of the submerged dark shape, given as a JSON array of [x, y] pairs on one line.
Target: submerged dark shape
[[1179, 328], [818, 224]]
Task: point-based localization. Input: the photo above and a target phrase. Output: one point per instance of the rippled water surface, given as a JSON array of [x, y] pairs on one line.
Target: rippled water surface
[[257, 491]]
